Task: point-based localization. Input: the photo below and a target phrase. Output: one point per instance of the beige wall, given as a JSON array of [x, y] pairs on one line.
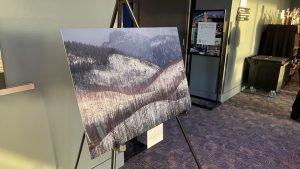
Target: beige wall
[[42, 129], [245, 38]]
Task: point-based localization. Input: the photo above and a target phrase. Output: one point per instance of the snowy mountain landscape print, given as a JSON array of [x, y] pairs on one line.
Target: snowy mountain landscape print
[[126, 81]]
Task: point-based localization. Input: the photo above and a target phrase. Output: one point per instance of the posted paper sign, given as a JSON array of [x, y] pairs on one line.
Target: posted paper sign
[[206, 33]]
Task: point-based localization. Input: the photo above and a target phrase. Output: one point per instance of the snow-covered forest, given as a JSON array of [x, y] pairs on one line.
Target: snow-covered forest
[[127, 86]]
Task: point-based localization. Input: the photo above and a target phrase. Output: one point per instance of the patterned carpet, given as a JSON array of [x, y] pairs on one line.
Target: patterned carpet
[[247, 131]]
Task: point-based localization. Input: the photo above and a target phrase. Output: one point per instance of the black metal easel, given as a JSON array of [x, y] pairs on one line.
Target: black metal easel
[[118, 10]]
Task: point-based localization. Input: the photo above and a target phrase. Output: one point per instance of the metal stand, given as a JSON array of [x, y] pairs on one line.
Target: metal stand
[[188, 142], [136, 146], [119, 148], [113, 159], [122, 148], [211, 104], [299, 75], [80, 150], [116, 13]]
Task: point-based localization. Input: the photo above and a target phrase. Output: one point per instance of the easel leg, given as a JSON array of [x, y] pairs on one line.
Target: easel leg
[[113, 159], [120, 148], [114, 15], [188, 142], [120, 13], [80, 150], [132, 14], [299, 75], [117, 10]]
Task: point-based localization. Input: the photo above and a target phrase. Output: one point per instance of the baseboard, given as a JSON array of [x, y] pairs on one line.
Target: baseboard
[[203, 94], [2, 81], [230, 93]]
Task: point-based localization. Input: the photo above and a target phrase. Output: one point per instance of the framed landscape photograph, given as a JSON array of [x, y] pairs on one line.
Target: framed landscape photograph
[[126, 81]]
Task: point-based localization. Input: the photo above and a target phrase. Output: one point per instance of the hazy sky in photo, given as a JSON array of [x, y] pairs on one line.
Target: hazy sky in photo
[[88, 36], [151, 32], [98, 36]]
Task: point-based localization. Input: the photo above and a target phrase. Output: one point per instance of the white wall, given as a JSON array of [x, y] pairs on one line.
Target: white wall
[[42, 128], [245, 38]]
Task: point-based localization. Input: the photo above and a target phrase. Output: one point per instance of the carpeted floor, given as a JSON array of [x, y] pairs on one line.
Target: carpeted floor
[[247, 131]]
